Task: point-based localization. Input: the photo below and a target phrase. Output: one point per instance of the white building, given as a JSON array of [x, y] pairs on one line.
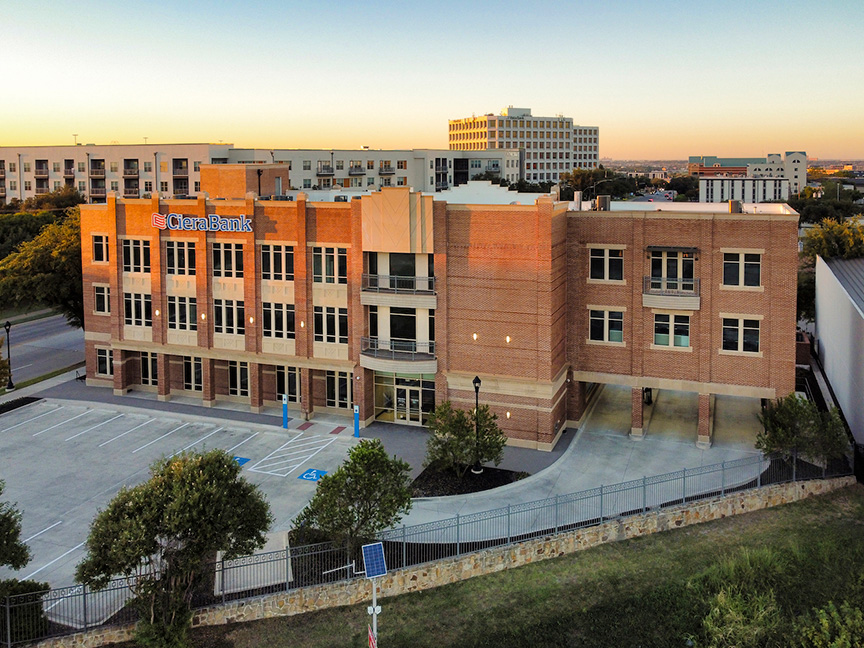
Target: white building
[[548, 145], [791, 169], [752, 190], [172, 170], [840, 334]]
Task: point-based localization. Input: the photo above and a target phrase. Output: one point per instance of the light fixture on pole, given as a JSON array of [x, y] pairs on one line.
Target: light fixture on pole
[[477, 469], [9, 385]]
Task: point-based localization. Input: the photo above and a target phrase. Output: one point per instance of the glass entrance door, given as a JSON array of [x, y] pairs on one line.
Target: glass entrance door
[[408, 405]]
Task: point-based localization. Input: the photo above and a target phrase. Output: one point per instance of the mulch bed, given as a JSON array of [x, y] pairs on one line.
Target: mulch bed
[[433, 482]]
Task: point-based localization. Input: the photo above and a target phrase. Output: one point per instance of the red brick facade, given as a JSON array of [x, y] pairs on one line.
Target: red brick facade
[[512, 303]]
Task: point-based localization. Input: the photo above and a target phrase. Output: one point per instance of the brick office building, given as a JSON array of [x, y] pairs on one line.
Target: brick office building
[[395, 301]]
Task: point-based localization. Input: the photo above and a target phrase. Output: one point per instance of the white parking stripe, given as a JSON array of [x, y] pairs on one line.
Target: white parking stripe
[[63, 423], [282, 464], [126, 432], [28, 577], [75, 436], [43, 531], [242, 442], [12, 427], [197, 442], [160, 438]]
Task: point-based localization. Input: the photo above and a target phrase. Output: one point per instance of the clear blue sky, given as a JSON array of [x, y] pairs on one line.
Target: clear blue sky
[[660, 79]]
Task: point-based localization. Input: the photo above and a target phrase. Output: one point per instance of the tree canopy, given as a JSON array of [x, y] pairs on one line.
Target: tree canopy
[[794, 423], [368, 493], [47, 270], [454, 443], [160, 535], [13, 552], [20, 227]]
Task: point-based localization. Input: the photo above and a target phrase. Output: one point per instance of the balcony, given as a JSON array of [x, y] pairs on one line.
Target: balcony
[[97, 172], [181, 170], [41, 191], [356, 171], [69, 172], [97, 191], [675, 293], [404, 350], [2, 173], [2, 192], [386, 170], [40, 173], [130, 193], [493, 168], [130, 172], [325, 170], [441, 186], [396, 284]]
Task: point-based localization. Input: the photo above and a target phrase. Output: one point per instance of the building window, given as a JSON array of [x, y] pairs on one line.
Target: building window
[[148, 167], [137, 309], [180, 257], [104, 362], [330, 264], [196, 166], [307, 183], [238, 378], [606, 326], [149, 372], [182, 313], [229, 317], [114, 166], [401, 164], [607, 265], [228, 260], [82, 186], [13, 167], [671, 330], [288, 383], [331, 324], [26, 167], [103, 300], [13, 185], [192, 374], [148, 186], [278, 320], [672, 270], [741, 335], [100, 249], [277, 262], [27, 185], [163, 186], [339, 389], [742, 269], [197, 186], [136, 255], [307, 165]]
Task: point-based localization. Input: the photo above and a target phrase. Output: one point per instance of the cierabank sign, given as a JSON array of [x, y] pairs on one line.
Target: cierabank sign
[[212, 223]]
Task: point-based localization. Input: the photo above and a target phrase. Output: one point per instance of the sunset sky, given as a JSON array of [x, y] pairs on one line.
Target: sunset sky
[[660, 79]]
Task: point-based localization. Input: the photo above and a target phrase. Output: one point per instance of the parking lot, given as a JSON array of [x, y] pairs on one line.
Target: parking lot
[[62, 461]]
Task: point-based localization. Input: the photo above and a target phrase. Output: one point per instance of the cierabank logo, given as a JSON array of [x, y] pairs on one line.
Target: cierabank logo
[[212, 223]]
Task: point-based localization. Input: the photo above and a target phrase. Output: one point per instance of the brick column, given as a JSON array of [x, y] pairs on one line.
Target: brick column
[[636, 413], [306, 406], [364, 394], [576, 400], [256, 394], [208, 382], [163, 371], [121, 373], [705, 428]]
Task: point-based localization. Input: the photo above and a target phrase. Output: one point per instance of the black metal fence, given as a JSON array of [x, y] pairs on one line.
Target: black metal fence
[[38, 615]]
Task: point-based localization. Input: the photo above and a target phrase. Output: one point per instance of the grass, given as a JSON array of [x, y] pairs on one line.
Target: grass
[[651, 591], [38, 379]]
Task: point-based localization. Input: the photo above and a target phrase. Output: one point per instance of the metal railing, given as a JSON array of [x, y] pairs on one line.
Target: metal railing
[[38, 615], [386, 170], [325, 170], [130, 172], [356, 170], [397, 349], [670, 286], [69, 172], [398, 284], [96, 172], [97, 191], [40, 172]]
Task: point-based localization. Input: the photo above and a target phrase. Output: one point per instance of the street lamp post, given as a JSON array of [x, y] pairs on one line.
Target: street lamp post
[[8, 326], [477, 469]]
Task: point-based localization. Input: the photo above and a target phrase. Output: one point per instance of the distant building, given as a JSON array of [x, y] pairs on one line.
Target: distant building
[[792, 168], [549, 145], [751, 190]]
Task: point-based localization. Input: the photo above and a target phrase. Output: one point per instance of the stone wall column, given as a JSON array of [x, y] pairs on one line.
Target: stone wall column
[[208, 382], [636, 429], [705, 428], [163, 371]]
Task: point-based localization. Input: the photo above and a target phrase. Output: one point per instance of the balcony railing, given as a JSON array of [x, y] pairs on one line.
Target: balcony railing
[[2, 191], [441, 186], [130, 193], [397, 349], [386, 170], [69, 172], [493, 168], [356, 170], [670, 287], [2, 172], [97, 191], [181, 170], [325, 170], [97, 172], [130, 172], [395, 284], [40, 172]]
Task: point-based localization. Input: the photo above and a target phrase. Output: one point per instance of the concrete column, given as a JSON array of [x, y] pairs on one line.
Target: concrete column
[[636, 413], [163, 371], [705, 429], [208, 382], [121, 371], [306, 406], [256, 394]]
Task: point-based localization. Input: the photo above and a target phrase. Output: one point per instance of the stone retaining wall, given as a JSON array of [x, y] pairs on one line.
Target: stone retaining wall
[[451, 570]]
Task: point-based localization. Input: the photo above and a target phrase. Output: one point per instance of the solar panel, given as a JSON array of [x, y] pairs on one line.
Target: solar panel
[[373, 560]]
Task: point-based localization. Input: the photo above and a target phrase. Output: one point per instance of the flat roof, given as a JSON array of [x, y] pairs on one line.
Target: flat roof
[[850, 274]]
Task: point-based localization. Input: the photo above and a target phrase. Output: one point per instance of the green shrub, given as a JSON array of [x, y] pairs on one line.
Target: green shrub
[[829, 627], [26, 617]]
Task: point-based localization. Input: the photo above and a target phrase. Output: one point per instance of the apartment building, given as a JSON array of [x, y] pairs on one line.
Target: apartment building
[[395, 301], [721, 189], [549, 145], [132, 170], [172, 170], [792, 167]]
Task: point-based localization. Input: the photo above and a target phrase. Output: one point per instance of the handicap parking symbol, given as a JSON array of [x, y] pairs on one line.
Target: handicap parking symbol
[[312, 474]]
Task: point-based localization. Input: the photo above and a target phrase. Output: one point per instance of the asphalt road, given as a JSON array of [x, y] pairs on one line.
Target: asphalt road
[[42, 346]]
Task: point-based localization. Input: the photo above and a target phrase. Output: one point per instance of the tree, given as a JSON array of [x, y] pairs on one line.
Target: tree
[[160, 534], [20, 227], [60, 199], [453, 443], [685, 185], [829, 239], [368, 493], [47, 270], [13, 552], [793, 423]]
